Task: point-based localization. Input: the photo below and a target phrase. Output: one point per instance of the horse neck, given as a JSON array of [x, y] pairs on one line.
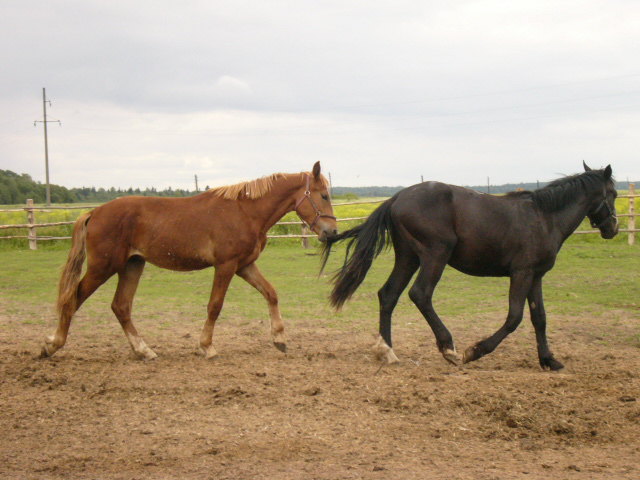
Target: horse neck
[[275, 204], [567, 219]]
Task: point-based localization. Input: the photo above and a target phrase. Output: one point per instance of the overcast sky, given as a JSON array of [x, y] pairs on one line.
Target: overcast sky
[[151, 93]]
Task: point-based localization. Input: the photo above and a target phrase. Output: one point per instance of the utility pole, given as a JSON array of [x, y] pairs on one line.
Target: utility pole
[[196, 177], [44, 121]]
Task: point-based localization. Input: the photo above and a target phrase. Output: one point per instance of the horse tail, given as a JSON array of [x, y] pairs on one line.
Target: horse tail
[[366, 241], [70, 279]]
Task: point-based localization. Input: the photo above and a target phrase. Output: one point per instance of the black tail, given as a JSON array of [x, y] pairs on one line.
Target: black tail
[[367, 241]]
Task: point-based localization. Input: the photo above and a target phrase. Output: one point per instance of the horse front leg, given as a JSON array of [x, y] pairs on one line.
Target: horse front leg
[[519, 288], [539, 320], [252, 275], [221, 280]]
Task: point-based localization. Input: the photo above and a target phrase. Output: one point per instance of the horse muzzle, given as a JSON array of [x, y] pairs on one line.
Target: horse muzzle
[[610, 229], [608, 234], [327, 233]]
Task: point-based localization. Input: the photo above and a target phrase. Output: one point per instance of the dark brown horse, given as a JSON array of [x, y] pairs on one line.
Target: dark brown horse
[[517, 235], [224, 227]]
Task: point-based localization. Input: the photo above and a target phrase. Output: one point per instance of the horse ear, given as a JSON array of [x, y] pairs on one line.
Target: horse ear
[[586, 167], [607, 172], [316, 170]]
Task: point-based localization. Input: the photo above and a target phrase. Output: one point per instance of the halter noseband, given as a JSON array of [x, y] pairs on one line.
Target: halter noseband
[[610, 214], [307, 195]]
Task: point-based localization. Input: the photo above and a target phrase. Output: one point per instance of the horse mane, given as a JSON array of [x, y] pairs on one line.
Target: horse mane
[[561, 192], [252, 189], [258, 188]]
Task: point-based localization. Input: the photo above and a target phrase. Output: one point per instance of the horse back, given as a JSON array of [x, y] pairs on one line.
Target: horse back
[[482, 234], [176, 233]]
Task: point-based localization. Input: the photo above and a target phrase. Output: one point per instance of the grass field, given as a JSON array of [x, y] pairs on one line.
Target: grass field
[[327, 409], [587, 280]]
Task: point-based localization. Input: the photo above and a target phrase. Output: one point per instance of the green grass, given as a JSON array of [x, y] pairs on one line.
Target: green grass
[[588, 280]]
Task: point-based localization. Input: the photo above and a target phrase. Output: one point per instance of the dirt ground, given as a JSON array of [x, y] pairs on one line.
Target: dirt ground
[[325, 410]]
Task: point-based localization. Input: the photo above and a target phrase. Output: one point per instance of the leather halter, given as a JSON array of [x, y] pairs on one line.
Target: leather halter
[[307, 196], [609, 214]]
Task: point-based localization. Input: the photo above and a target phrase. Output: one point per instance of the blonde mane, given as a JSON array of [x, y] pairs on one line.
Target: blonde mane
[[257, 188], [250, 189]]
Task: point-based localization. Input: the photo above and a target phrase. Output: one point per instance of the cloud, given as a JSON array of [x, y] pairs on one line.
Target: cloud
[[228, 85], [381, 93]]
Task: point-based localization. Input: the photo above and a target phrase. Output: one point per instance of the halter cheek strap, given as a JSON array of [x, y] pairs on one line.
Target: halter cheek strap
[[610, 214], [307, 196]]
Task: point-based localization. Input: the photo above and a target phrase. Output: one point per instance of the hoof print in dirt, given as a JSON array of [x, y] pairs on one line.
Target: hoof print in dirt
[[281, 346]]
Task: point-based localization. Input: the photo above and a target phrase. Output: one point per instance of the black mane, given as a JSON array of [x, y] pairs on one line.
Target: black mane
[[561, 192]]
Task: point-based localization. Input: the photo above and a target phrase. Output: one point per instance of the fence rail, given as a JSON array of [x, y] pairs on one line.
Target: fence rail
[[33, 238]]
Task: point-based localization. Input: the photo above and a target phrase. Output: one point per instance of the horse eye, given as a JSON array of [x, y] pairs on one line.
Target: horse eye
[[325, 196]]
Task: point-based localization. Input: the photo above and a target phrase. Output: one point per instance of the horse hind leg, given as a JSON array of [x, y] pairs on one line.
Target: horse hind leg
[[406, 263], [91, 281], [122, 304], [421, 294]]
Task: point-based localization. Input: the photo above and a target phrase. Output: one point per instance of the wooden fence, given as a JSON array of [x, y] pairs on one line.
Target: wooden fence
[[305, 234]]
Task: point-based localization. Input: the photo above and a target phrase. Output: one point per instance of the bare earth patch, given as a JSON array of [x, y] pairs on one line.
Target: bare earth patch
[[324, 410]]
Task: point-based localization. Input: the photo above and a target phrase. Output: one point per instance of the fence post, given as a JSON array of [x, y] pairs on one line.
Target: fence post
[[631, 225], [305, 240], [31, 219]]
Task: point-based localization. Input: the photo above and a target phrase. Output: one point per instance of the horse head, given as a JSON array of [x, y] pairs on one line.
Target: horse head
[[602, 211], [314, 204]]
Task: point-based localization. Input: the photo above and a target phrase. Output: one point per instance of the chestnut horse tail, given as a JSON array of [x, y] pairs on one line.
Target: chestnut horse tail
[[366, 242], [70, 279]]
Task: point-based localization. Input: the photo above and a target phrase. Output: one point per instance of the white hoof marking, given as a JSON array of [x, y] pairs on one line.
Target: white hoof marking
[[452, 356], [140, 348], [50, 347], [384, 352], [149, 354], [208, 352]]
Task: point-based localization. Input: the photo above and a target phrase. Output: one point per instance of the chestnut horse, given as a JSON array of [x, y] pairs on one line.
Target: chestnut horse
[[517, 235], [224, 227]]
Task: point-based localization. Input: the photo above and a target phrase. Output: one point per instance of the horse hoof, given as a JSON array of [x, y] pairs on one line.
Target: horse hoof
[[384, 352], [387, 356], [208, 352], [49, 348], [452, 356], [391, 357], [471, 354], [280, 346], [149, 355], [551, 364]]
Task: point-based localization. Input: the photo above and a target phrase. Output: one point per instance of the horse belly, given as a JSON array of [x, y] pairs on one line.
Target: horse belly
[[183, 264], [173, 257], [480, 260]]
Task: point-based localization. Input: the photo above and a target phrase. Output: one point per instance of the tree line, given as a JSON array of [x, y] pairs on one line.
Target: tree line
[[17, 188]]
